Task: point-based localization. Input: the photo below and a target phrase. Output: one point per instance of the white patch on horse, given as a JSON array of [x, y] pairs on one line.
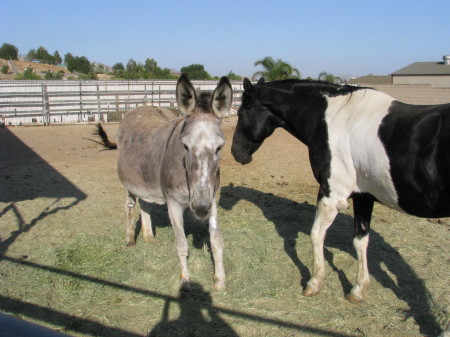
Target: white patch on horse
[[359, 162]]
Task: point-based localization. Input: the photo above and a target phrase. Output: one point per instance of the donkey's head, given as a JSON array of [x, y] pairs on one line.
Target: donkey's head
[[203, 140]]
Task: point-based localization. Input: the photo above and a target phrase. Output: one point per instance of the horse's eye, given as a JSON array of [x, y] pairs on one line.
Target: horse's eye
[[219, 149], [186, 147]]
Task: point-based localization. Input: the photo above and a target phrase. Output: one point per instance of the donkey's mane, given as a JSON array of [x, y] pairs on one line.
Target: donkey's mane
[[204, 102]]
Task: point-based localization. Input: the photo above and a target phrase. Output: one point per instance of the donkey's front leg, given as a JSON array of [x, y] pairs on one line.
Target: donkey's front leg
[[176, 219], [325, 214], [217, 250]]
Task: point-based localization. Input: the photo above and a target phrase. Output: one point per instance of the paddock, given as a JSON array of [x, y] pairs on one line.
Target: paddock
[[64, 263]]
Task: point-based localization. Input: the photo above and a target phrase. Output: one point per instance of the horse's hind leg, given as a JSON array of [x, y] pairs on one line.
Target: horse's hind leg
[[362, 209], [146, 221], [130, 233]]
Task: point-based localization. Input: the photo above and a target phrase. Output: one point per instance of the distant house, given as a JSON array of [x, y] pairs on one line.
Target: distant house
[[436, 74]]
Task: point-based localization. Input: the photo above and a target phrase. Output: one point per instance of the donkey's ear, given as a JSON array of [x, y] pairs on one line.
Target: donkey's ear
[[222, 98], [186, 96], [261, 80], [248, 86]]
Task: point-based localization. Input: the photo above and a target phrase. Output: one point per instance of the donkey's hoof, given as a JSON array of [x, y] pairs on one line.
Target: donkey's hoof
[[220, 286], [352, 298], [150, 239], [130, 243], [186, 288]]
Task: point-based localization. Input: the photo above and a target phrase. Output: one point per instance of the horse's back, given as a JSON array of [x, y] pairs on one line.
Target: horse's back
[[142, 144]]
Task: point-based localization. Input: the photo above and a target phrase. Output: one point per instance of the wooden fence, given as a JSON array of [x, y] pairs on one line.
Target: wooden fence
[[46, 102]]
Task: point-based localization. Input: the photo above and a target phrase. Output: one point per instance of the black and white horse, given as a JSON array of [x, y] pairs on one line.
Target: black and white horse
[[363, 144]]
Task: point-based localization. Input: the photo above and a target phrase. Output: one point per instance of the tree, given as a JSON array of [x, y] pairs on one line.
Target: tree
[[77, 63], [42, 55], [196, 72], [9, 52], [118, 69], [233, 77], [330, 78], [57, 57], [275, 70]]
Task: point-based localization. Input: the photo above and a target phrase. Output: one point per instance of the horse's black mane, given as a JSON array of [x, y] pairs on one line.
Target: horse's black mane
[[325, 87]]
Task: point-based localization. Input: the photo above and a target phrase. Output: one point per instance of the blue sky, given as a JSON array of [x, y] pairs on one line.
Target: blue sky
[[354, 37]]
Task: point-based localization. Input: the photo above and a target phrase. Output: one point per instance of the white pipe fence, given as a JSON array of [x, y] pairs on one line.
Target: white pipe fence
[[46, 102]]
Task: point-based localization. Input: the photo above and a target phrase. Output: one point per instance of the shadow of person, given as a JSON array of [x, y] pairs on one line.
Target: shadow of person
[[291, 218], [198, 317]]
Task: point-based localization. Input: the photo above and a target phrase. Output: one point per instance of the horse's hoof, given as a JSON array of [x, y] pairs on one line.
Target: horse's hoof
[[130, 243], [352, 298], [150, 239], [310, 291]]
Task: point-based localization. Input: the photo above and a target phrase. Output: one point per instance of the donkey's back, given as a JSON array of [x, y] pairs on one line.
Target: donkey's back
[[142, 148]]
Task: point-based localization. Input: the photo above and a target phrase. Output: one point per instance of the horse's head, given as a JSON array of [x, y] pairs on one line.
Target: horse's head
[[203, 140], [255, 123]]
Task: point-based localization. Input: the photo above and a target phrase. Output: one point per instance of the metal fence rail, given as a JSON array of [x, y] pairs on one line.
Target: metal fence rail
[[45, 102]]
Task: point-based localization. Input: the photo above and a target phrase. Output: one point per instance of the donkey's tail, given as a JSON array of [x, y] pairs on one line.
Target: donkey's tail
[[99, 131]]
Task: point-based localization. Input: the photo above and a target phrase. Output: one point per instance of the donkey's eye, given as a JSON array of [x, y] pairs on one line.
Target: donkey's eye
[[219, 149], [186, 147]]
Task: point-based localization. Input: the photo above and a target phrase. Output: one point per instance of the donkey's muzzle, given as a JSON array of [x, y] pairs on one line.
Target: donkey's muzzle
[[201, 210]]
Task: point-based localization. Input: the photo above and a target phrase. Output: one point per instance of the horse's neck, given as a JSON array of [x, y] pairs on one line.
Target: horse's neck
[[300, 122]]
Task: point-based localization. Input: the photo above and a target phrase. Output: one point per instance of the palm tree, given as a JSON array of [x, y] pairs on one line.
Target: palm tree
[[275, 70], [330, 78]]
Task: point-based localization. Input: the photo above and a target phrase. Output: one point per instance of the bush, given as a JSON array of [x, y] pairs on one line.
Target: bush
[[5, 69], [28, 74]]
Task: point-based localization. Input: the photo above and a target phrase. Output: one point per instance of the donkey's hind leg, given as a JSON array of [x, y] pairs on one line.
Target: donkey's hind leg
[[130, 233], [146, 221]]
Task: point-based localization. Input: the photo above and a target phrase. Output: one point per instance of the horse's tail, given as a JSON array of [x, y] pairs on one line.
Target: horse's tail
[[99, 131]]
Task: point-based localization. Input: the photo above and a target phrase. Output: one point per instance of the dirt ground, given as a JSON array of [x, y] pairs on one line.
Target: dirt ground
[[59, 192]]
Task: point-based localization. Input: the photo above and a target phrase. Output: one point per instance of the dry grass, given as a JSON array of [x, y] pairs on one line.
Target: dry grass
[[65, 265]]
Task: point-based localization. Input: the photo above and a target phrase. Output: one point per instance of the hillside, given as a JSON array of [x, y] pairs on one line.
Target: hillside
[[39, 68]]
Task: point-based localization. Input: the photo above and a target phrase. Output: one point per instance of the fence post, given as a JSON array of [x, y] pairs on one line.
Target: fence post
[[100, 117], [45, 106], [145, 93], [80, 118]]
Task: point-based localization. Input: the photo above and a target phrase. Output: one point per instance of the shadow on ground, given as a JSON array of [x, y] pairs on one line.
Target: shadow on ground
[[284, 214], [24, 175]]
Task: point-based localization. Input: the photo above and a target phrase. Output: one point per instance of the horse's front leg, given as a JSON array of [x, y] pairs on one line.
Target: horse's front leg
[[176, 219], [217, 250], [325, 214]]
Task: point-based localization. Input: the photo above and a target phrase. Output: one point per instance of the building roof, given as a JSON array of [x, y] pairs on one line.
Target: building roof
[[424, 68], [370, 79]]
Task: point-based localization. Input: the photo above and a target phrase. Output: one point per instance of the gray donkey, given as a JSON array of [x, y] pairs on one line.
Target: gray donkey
[[176, 164]]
